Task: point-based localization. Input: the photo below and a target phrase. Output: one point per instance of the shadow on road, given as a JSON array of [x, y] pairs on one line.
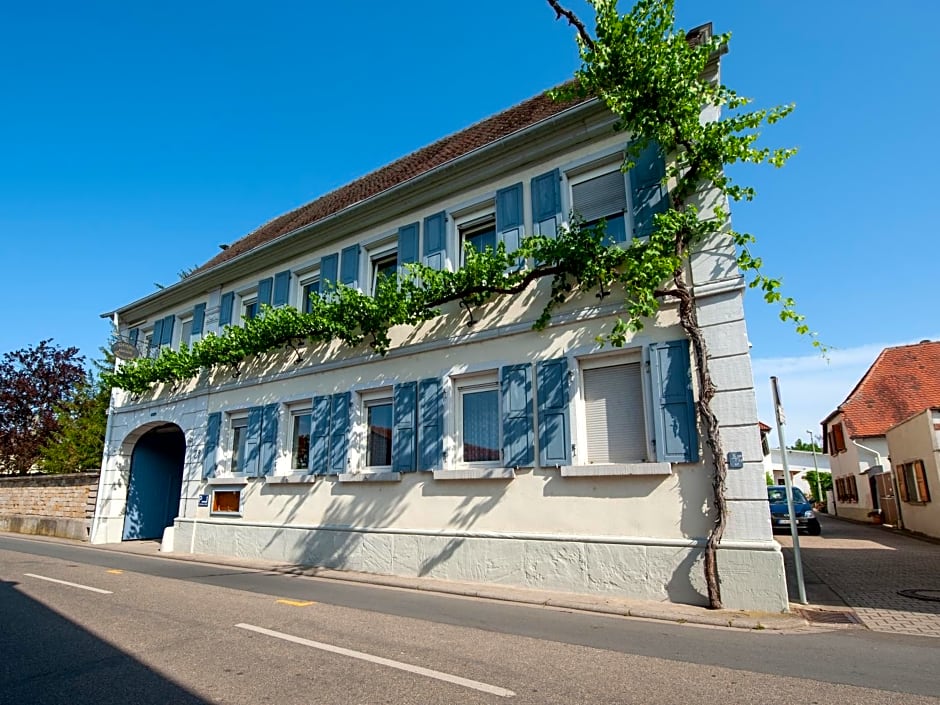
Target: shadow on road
[[49, 659]]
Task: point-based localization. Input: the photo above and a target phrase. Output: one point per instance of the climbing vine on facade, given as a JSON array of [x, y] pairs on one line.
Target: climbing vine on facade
[[655, 78]]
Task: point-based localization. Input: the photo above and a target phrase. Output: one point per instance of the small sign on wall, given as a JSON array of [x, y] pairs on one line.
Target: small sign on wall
[[203, 500], [735, 460]]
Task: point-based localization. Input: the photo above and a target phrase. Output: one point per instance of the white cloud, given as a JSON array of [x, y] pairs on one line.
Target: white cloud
[[811, 386]]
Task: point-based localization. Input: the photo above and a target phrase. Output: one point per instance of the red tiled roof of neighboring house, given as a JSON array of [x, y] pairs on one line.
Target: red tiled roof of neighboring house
[[444, 150], [900, 383]]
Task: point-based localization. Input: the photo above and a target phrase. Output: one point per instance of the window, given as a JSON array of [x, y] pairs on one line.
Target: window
[[226, 501], [308, 288], [186, 331], [384, 266], [378, 413], [249, 309], [479, 420], [615, 424], [149, 350], [300, 440], [912, 482], [479, 233], [239, 444], [601, 194], [836, 439], [846, 489]]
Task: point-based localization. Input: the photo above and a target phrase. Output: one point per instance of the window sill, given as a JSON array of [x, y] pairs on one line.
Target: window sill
[[616, 469], [476, 474], [370, 477], [292, 479], [228, 480]]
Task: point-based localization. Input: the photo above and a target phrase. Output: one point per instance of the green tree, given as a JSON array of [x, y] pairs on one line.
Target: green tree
[[818, 482], [78, 444], [802, 445]]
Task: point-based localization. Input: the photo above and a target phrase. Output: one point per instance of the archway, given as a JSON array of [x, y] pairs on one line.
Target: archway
[[156, 479]]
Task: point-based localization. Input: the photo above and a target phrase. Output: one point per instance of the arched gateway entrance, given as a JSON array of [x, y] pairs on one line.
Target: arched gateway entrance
[[153, 492]]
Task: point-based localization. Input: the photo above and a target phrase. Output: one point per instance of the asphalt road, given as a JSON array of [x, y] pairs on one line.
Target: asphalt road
[[154, 630]]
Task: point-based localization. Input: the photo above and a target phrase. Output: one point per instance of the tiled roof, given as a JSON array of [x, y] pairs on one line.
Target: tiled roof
[[902, 382], [444, 150]]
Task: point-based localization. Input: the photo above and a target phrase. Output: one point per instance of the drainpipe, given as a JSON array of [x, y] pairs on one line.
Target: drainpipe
[[894, 479]]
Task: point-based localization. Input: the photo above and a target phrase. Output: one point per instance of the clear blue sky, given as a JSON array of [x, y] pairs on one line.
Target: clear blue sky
[[137, 137]]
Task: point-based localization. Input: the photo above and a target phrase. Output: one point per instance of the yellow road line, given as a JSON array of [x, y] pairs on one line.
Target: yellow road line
[[115, 571], [297, 603]]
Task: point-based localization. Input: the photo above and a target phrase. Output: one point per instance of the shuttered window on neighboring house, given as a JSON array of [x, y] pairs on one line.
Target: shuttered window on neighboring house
[[912, 482], [613, 408]]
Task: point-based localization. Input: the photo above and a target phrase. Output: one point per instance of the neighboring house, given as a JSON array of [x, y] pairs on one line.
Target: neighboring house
[[491, 453], [903, 381], [914, 450]]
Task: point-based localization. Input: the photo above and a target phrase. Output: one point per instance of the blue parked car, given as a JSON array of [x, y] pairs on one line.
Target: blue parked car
[[802, 509]]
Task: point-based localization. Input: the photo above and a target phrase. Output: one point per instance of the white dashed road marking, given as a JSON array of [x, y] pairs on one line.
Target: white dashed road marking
[[66, 582], [447, 677]]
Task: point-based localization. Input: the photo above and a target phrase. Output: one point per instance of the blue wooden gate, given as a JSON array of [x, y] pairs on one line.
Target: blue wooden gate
[[153, 493]]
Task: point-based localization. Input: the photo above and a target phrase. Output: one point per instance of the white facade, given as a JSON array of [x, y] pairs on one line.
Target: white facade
[[914, 449], [635, 528], [800, 462]]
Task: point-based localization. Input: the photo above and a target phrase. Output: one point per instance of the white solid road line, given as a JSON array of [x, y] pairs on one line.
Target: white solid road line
[[457, 680], [66, 582]]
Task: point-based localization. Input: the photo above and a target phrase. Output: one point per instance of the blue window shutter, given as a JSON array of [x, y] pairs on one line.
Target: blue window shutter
[[509, 218], [435, 241], [268, 438], [320, 436], [225, 308], [281, 288], [407, 244], [213, 427], [329, 268], [647, 190], [252, 466], [157, 335], [554, 428], [673, 405], [339, 432], [430, 424], [518, 435], [265, 287], [404, 410], [546, 203], [349, 266], [133, 335], [167, 336], [199, 318]]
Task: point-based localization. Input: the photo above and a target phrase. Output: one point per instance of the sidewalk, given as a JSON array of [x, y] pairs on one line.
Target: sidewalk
[[667, 611], [865, 568]]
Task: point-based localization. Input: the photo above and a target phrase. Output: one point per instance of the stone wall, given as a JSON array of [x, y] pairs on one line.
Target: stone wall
[[49, 505]]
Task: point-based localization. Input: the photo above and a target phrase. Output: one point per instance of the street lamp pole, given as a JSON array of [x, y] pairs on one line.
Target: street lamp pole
[[812, 447]]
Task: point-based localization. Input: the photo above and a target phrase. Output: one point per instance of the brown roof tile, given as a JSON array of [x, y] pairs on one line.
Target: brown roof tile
[[900, 383], [444, 150]]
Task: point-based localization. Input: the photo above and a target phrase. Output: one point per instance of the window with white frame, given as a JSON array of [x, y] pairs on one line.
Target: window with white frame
[[239, 444], [479, 234], [912, 482], [378, 422], [600, 194], [613, 420], [300, 438], [309, 286], [384, 264], [479, 427], [186, 330], [250, 308]]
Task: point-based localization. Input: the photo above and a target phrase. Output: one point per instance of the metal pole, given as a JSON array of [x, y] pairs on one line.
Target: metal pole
[[812, 447], [788, 483]]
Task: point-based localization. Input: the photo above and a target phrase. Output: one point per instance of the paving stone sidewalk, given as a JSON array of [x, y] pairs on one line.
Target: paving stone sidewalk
[[865, 567]]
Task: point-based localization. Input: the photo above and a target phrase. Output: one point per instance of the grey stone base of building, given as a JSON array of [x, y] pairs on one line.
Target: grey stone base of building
[[45, 526], [752, 578]]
